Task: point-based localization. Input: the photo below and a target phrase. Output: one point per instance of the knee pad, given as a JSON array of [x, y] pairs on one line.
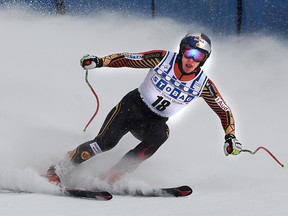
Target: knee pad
[[85, 151]]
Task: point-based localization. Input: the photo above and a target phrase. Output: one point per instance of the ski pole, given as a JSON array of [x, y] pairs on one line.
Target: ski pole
[[97, 101], [265, 149]]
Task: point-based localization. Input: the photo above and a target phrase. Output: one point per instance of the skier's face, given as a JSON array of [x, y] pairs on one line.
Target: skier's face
[[188, 64]]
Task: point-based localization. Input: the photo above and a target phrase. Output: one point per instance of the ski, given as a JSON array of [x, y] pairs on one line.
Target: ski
[[71, 192], [79, 193], [97, 195], [181, 191]]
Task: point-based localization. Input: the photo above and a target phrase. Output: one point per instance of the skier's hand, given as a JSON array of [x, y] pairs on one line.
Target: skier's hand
[[231, 145], [89, 62]]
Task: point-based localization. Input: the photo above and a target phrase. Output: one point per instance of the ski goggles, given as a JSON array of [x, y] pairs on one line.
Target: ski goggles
[[196, 54]]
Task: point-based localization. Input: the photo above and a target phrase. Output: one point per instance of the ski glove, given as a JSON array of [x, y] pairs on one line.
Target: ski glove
[[231, 145], [89, 62]]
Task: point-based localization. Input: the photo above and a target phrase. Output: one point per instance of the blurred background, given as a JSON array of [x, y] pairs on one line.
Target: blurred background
[[221, 17]]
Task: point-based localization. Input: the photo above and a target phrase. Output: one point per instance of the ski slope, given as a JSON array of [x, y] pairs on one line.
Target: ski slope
[[45, 104]]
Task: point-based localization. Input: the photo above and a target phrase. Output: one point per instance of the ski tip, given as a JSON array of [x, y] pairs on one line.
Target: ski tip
[[105, 196], [181, 191], [185, 190]]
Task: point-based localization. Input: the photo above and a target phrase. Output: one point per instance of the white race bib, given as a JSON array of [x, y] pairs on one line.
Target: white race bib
[[164, 94]]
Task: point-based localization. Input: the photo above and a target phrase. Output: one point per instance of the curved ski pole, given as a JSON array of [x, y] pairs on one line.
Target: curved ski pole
[[265, 149], [97, 101]]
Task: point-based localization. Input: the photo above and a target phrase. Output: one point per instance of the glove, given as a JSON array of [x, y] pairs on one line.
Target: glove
[[89, 62], [231, 145]]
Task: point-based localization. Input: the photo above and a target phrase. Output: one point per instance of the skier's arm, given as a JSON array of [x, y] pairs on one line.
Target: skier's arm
[[147, 59], [134, 60], [214, 99]]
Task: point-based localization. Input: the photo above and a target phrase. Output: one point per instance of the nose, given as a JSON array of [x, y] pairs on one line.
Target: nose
[[191, 60]]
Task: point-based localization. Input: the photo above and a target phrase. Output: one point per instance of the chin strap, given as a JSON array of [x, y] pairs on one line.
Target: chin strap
[[97, 101], [265, 149]]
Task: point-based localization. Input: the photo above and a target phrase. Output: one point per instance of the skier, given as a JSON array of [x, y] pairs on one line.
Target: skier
[[173, 81]]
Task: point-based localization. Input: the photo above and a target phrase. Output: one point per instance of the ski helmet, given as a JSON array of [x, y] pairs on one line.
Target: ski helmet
[[197, 41]]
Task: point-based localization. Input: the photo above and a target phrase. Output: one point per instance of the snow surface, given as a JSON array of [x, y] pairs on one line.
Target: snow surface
[[45, 104]]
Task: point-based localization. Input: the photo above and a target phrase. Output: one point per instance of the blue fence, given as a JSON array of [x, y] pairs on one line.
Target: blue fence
[[265, 16]]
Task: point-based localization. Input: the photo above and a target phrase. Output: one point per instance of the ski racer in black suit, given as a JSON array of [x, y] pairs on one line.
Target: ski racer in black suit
[[172, 83]]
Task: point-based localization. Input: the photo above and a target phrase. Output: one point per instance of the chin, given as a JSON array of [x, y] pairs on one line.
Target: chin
[[189, 71]]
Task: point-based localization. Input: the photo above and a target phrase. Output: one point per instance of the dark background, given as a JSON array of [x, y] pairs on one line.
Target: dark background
[[261, 16]]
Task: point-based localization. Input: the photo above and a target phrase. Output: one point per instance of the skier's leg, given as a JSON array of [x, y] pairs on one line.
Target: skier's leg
[[115, 126], [152, 140], [113, 129]]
